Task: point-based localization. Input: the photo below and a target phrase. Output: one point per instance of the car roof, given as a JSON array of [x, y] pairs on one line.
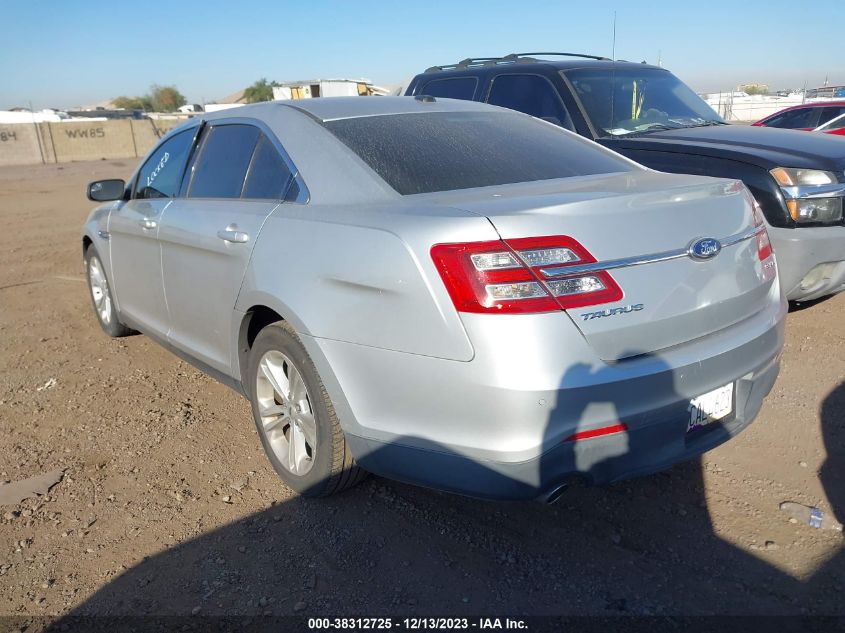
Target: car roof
[[819, 104], [333, 173], [525, 61], [815, 104], [334, 108]]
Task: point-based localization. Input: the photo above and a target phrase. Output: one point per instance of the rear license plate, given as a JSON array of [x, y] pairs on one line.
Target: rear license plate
[[711, 407]]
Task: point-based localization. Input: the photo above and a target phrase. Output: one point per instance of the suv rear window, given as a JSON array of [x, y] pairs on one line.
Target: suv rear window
[[444, 151]]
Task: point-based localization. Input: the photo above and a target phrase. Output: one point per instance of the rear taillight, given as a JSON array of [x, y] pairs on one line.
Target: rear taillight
[[505, 277], [764, 246]]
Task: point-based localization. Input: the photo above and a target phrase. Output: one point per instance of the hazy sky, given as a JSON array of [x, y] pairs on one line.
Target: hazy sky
[[66, 54]]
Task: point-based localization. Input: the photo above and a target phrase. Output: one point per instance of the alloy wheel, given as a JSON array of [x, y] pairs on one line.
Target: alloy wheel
[[287, 417], [99, 289]]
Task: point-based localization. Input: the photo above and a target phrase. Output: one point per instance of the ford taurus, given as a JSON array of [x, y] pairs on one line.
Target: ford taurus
[[443, 292]]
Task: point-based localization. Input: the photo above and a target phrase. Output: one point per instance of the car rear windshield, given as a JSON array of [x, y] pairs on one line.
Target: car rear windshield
[[444, 151]]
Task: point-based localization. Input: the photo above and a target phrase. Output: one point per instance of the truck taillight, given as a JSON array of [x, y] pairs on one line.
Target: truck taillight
[[505, 277]]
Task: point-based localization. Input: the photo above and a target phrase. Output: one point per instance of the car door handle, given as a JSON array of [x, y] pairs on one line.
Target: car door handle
[[147, 223], [232, 234]]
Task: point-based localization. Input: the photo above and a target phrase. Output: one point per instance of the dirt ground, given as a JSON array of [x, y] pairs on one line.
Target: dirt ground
[[168, 506]]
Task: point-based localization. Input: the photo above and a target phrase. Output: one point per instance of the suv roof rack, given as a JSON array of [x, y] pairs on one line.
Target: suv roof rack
[[466, 63], [531, 55], [508, 59]]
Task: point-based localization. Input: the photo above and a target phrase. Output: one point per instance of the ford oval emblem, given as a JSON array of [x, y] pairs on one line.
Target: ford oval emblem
[[705, 248]]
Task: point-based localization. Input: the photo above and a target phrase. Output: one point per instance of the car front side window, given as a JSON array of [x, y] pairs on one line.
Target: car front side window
[[161, 175], [795, 119]]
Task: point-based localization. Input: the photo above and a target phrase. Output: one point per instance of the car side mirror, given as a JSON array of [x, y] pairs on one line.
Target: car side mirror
[[106, 190]]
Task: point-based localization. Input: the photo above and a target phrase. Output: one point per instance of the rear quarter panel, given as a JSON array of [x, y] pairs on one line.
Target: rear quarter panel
[[363, 275]]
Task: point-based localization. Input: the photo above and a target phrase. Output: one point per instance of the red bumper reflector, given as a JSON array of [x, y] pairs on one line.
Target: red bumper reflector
[[605, 430]]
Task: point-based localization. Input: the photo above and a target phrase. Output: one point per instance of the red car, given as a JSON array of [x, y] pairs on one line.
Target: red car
[[809, 117], [834, 126]]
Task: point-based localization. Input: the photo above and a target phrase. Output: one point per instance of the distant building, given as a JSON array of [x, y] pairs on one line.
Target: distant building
[[231, 101], [103, 113], [216, 107], [830, 92], [306, 89], [758, 89], [190, 107], [234, 98], [311, 88], [23, 115]]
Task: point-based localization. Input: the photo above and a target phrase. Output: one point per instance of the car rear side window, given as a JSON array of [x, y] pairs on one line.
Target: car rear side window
[[162, 173], [443, 151], [268, 174], [830, 113], [453, 88], [531, 94], [223, 161]]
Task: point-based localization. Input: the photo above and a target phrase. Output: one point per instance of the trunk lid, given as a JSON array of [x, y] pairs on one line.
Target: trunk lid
[[667, 301]]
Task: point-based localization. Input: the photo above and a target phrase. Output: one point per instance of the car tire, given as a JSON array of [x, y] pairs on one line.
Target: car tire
[[101, 295], [295, 418]]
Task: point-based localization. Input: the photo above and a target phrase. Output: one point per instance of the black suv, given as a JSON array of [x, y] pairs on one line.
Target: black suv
[[647, 114]]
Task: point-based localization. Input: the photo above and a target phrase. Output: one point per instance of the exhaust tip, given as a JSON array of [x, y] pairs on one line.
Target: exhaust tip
[[556, 494], [572, 481]]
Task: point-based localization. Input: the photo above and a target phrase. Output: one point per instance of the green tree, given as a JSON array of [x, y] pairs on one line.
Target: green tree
[[755, 90], [133, 103], [159, 99], [165, 98], [261, 90]]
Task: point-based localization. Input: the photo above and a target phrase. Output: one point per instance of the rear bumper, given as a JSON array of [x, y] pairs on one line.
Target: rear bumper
[[655, 441], [811, 261], [496, 426]]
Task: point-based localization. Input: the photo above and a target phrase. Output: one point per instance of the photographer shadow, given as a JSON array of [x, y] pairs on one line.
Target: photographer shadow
[[644, 546]]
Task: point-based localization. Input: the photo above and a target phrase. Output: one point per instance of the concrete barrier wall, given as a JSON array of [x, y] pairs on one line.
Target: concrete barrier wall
[[145, 135], [62, 142], [20, 144], [81, 140]]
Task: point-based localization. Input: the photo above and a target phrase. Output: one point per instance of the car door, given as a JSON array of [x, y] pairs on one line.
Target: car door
[[134, 226], [236, 178]]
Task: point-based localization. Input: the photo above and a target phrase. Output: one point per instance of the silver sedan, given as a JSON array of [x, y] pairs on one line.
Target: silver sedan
[[443, 292]]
